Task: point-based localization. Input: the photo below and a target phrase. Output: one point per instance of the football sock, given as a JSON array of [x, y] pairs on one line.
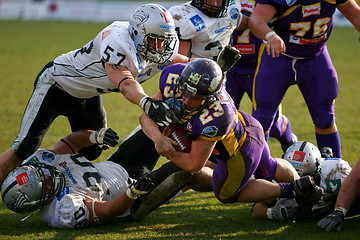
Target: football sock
[[286, 137], [286, 190], [330, 140]]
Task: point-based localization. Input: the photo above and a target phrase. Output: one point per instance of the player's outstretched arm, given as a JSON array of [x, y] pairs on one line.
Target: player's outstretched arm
[[72, 143], [101, 211]]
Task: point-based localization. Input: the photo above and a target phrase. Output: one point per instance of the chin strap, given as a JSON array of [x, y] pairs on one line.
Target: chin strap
[[26, 217]]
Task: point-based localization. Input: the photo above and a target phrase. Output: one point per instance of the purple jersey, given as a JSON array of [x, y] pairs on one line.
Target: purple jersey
[[304, 25], [241, 149], [218, 122]]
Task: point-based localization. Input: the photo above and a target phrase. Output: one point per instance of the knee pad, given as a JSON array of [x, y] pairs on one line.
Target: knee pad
[[324, 120]]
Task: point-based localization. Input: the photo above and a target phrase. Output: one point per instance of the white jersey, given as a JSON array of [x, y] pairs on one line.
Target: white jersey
[[82, 73], [333, 173], [208, 35], [100, 181]]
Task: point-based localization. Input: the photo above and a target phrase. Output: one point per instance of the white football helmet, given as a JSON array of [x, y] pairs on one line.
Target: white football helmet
[[305, 157], [153, 30], [31, 186]]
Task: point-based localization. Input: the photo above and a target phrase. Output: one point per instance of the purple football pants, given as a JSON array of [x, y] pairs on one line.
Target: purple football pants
[[253, 158]]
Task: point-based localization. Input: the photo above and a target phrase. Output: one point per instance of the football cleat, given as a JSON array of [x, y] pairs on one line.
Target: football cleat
[[294, 139], [326, 152], [306, 191]]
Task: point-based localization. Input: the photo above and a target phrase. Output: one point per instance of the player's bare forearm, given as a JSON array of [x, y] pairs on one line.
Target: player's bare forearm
[[125, 82], [258, 21], [350, 188], [132, 91]]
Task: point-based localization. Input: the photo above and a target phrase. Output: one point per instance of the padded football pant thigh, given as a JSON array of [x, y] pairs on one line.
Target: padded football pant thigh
[[137, 154], [271, 83], [237, 84], [90, 115], [319, 86], [232, 175], [48, 101], [39, 114]]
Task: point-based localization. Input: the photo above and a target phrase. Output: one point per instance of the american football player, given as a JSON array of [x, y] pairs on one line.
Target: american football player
[[197, 95], [69, 191], [118, 59], [239, 78], [296, 53], [329, 173], [347, 202]]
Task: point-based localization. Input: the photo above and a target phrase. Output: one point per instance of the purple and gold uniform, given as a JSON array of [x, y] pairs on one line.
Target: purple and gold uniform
[[241, 150], [304, 26]]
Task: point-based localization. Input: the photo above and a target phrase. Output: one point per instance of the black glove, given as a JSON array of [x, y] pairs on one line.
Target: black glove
[[228, 57], [335, 219], [139, 187], [158, 111], [104, 137]]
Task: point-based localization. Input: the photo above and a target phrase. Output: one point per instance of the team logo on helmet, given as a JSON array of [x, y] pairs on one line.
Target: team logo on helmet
[[141, 16], [194, 78], [214, 84]]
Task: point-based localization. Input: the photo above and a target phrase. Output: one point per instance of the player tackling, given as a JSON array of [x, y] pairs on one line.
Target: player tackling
[[196, 94]]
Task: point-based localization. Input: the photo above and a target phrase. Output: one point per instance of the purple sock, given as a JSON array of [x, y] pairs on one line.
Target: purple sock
[[330, 140], [286, 137], [286, 190]]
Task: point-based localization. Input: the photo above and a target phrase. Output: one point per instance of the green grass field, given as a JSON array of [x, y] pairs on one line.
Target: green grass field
[[25, 47]]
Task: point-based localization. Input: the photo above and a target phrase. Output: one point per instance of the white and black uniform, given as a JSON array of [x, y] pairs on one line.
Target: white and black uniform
[[208, 35], [100, 181], [333, 173], [73, 83]]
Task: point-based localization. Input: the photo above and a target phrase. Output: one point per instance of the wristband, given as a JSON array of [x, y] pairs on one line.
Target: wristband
[[93, 136], [142, 102], [269, 34], [269, 213], [341, 209], [95, 217]]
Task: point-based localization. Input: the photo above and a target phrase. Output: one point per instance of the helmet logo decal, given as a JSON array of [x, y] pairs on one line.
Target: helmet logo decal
[[194, 78], [141, 16], [22, 178], [299, 156], [168, 17], [214, 84], [21, 200]]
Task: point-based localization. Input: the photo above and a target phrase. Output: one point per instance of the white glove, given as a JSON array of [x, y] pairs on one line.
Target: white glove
[[104, 137]]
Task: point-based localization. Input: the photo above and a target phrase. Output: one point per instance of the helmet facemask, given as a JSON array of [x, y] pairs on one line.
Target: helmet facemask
[[182, 111], [157, 49], [211, 10]]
